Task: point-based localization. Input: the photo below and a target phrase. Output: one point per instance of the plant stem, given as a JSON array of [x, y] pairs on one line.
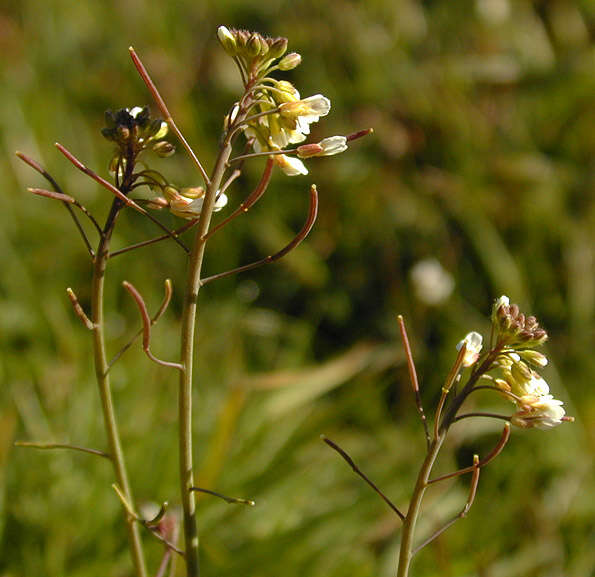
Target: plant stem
[[101, 370], [441, 427], [193, 284], [410, 521]]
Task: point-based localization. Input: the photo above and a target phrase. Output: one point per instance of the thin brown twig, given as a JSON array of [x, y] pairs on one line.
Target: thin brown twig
[[35, 445], [164, 110], [450, 379], [230, 500], [413, 378], [252, 198], [147, 328], [52, 194], [462, 513], [313, 210], [232, 177], [359, 134], [143, 243], [482, 414], [510, 394], [134, 515], [115, 191], [78, 310], [154, 319], [37, 167], [161, 538], [490, 457], [243, 157], [360, 473], [164, 562]]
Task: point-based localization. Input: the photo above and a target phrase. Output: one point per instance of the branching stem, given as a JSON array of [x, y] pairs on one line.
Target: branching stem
[[103, 381]]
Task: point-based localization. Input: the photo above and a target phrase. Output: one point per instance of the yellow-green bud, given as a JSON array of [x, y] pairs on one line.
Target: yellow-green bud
[[534, 357], [164, 149], [254, 45], [287, 92], [278, 48], [290, 61], [227, 40], [193, 192], [170, 192], [157, 203], [521, 373]]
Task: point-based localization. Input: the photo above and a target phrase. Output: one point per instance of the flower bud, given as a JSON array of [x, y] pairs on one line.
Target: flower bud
[[286, 92], [227, 40], [193, 192], [534, 357], [278, 47], [473, 344], [159, 129], [502, 385], [521, 373], [254, 45], [171, 192], [164, 149], [290, 61], [157, 203], [309, 150], [326, 147]]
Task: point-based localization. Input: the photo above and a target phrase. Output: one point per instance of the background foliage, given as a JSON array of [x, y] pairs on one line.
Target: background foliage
[[482, 159]]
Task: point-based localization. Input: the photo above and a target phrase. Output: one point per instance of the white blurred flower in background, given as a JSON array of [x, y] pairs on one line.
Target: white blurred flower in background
[[431, 283]]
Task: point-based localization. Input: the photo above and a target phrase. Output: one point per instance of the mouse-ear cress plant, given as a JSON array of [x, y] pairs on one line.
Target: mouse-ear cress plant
[[269, 121]]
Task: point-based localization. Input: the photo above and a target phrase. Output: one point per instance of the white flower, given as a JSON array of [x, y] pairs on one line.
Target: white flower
[[542, 412], [227, 40], [473, 344], [310, 109], [432, 284], [289, 165], [188, 202], [326, 147], [536, 386], [502, 301], [302, 113], [134, 112]]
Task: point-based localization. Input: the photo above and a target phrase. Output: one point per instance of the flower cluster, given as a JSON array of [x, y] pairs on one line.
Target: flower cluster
[[133, 130], [274, 114], [513, 327], [516, 337]]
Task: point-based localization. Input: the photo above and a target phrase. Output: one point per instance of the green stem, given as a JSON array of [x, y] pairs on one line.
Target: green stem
[[408, 531], [101, 370], [440, 431], [187, 351]]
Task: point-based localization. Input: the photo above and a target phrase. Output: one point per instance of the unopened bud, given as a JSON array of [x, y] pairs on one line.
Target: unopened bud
[[171, 192], [123, 132], [534, 357], [278, 48], [290, 61], [227, 40], [164, 149], [473, 344], [157, 203], [502, 385], [254, 45], [193, 192], [326, 147], [308, 150], [521, 373]]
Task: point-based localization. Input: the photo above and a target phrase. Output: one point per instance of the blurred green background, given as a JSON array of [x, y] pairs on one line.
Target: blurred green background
[[479, 181]]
